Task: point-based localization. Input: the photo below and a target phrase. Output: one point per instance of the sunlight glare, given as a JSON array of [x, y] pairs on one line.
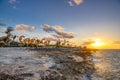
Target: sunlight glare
[[97, 43]]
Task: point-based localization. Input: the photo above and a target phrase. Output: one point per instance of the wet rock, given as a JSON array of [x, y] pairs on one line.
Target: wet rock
[[76, 58], [21, 67], [4, 76], [27, 74], [52, 75]]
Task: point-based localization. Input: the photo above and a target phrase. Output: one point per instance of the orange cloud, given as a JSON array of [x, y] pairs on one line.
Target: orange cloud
[[58, 31], [23, 27], [74, 2], [88, 42], [50, 38], [77, 2]]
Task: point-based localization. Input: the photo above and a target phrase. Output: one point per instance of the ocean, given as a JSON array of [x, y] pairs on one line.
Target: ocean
[[106, 63]]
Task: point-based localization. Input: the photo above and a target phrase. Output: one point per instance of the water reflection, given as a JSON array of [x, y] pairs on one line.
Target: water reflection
[[107, 65]]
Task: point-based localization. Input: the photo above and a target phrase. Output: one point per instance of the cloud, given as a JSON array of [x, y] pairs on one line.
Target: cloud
[[12, 1], [88, 42], [57, 36], [58, 31], [70, 3], [9, 29], [50, 38], [2, 29], [2, 24], [77, 2], [14, 7], [74, 2], [23, 27]]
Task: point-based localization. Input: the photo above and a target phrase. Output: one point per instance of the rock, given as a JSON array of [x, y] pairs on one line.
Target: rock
[[27, 74], [21, 67], [76, 58]]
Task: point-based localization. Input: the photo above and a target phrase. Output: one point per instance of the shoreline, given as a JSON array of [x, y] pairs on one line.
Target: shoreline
[[65, 63]]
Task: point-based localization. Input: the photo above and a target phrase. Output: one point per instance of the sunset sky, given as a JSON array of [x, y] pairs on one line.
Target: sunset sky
[[80, 21]]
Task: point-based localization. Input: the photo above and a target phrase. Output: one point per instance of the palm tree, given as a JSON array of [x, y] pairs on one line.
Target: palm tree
[[45, 42], [64, 42], [41, 41], [27, 41], [68, 44], [21, 40], [32, 42], [37, 42], [48, 42], [14, 37], [58, 43], [5, 40]]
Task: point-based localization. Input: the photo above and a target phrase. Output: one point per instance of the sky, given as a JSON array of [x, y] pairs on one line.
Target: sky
[[80, 21]]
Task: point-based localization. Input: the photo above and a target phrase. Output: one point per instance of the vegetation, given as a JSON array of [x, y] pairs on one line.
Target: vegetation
[[28, 42]]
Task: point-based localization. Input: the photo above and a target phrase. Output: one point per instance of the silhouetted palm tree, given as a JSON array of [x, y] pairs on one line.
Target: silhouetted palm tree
[[14, 37], [32, 42], [6, 39], [58, 43], [20, 39], [48, 42], [37, 42]]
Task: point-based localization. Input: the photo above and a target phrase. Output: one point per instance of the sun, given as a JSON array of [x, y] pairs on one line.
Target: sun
[[97, 43]]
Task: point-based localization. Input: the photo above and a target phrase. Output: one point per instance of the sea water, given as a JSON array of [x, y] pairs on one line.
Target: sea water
[[107, 65]]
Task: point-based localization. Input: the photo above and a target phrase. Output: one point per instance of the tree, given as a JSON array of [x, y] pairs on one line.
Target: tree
[[58, 43], [14, 37], [6, 39], [21, 40]]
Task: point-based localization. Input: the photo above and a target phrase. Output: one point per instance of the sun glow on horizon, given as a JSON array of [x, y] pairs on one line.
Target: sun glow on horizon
[[97, 43]]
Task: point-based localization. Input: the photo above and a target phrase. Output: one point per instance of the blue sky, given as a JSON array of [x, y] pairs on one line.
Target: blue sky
[[85, 18]]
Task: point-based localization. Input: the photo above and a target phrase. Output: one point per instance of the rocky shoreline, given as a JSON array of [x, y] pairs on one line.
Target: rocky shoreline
[[49, 64]]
